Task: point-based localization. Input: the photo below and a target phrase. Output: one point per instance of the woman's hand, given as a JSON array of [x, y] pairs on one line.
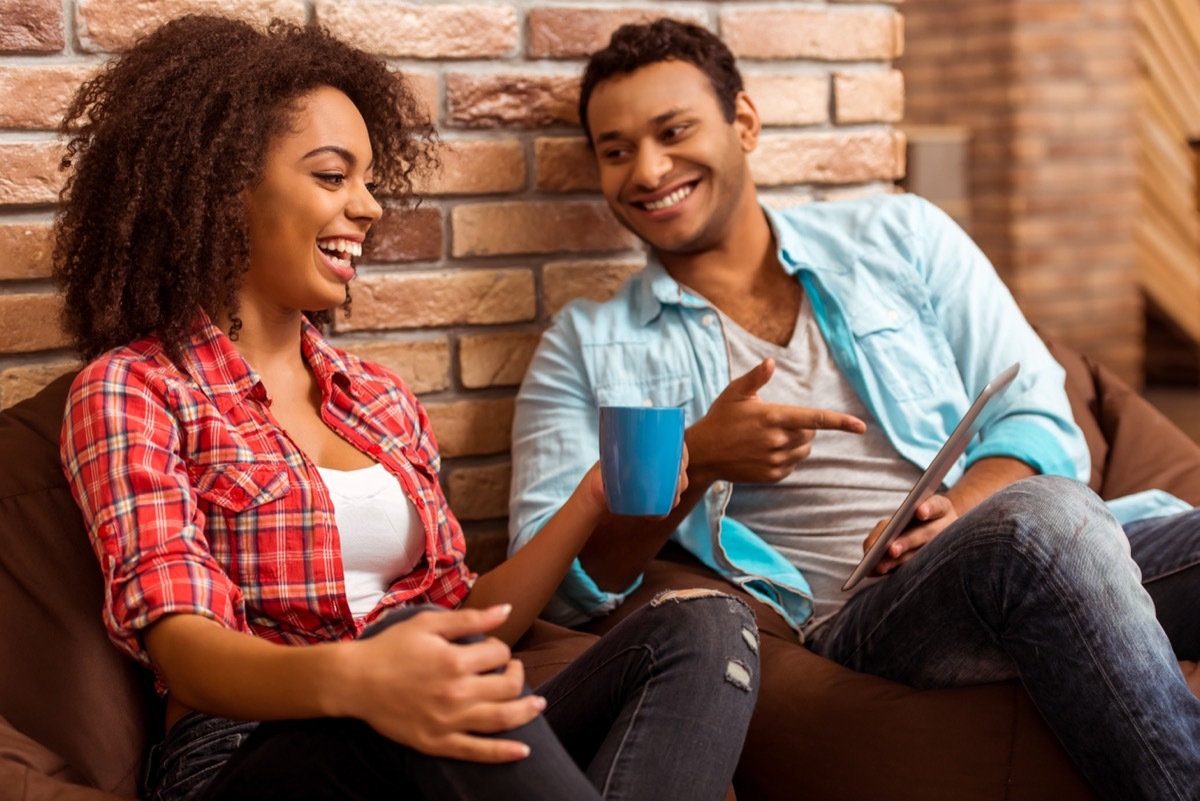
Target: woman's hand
[[413, 684]]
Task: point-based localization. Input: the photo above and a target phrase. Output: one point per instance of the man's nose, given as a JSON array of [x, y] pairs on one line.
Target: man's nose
[[651, 166]]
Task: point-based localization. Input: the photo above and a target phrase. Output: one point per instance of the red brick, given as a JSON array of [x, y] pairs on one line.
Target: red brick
[[819, 33], [790, 99], [407, 30], [477, 427], [114, 24], [30, 322], [565, 164], [405, 234], [424, 365], [37, 96], [25, 250], [31, 26], [479, 493], [861, 97], [425, 87], [510, 100], [29, 172], [493, 229], [565, 281], [828, 158], [495, 360], [19, 383], [478, 167], [441, 298], [566, 32]]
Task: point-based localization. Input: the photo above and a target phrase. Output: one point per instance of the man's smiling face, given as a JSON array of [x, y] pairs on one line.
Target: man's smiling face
[[672, 168]]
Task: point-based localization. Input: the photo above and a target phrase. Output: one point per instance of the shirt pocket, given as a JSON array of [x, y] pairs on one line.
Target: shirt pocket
[[896, 348], [660, 391], [238, 486]]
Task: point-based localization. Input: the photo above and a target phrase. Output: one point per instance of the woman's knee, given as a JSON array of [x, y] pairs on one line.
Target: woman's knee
[[716, 625]]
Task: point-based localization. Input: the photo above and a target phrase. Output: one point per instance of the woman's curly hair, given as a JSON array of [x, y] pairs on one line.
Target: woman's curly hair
[[162, 143]]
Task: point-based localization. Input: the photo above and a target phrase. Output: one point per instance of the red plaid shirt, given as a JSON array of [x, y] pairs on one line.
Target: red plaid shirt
[[197, 502]]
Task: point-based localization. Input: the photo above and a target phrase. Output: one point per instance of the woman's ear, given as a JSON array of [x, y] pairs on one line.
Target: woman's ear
[[746, 122]]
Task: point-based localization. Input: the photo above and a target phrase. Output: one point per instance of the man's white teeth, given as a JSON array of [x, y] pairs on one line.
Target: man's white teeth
[[670, 200], [341, 251]]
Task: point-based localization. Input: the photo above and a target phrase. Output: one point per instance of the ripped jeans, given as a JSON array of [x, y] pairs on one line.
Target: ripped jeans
[[656, 709]]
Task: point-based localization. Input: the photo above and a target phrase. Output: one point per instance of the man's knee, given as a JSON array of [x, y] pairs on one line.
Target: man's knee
[[713, 616]]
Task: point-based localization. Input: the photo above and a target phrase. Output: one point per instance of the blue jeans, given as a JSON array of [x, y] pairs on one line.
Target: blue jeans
[[1036, 583], [656, 709]]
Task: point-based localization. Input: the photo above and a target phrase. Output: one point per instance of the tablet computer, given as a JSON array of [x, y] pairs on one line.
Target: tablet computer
[[931, 480]]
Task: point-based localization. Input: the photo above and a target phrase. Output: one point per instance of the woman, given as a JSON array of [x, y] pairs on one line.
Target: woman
[[248, 486]]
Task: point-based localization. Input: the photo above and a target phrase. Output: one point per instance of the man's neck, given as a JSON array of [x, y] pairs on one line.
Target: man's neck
[[744, 262]]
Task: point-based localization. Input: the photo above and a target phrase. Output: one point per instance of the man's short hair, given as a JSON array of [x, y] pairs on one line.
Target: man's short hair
[[635, 46]]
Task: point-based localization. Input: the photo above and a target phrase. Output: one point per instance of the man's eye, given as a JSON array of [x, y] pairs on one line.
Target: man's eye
[[674, 131], [335, 178]]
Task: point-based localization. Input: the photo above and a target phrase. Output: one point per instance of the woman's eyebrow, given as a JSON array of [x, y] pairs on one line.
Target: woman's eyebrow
[[345, 154]]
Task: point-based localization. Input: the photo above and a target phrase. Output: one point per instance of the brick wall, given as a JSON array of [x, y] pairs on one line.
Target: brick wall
[[1048, 91], [454, 294]]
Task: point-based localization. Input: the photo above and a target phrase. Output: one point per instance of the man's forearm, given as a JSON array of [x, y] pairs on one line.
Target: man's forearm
[[984, 478]]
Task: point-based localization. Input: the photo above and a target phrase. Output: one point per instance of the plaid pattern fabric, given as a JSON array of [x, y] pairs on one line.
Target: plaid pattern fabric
[[197, 502]]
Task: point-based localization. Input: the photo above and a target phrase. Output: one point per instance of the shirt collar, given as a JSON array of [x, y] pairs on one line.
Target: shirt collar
[[215, 364]]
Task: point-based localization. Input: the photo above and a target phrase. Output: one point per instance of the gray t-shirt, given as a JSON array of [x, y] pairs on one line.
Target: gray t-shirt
[[819, 515]]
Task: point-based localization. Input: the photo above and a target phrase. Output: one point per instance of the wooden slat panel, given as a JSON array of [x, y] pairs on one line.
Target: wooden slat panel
[[1167, 231]]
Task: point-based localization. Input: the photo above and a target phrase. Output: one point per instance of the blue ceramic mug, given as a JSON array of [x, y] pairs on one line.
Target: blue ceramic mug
[[641, 449]]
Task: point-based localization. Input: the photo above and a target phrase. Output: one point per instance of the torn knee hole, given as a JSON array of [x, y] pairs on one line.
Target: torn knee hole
[[737, 673], [676, 596], [751, 638]]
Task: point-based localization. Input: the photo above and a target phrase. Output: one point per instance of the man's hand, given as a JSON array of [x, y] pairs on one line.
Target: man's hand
[[416, 686], [744, 439], [938, 511], [931, 517]]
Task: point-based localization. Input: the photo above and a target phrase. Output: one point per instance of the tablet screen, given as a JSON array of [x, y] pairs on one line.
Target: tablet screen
[[931, 479]]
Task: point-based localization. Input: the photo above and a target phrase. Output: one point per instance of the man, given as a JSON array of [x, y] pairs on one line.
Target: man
[[761, 324]]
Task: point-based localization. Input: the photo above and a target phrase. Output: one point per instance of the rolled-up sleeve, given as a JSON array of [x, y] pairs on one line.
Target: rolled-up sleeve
[[555, 441], [121, 454]]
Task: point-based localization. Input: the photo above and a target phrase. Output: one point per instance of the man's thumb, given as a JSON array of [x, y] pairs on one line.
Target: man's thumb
[[748, 385]]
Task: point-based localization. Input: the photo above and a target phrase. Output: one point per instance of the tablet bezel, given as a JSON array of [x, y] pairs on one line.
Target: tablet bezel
[[931, 480]]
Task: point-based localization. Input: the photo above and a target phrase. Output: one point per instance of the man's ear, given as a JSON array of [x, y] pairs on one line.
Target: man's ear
[[746, 122]]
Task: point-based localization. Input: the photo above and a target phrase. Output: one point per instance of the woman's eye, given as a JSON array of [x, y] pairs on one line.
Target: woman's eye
[[372, 186], [335, 178]]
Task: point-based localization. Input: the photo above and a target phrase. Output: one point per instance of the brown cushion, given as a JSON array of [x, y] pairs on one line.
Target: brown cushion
[[61, 682], [1134, 446]]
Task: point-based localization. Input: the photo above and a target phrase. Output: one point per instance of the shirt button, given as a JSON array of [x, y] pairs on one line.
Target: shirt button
[[647, 402], [893, 316], [238, 494], [374, 450], [708, 319], [719, 487]]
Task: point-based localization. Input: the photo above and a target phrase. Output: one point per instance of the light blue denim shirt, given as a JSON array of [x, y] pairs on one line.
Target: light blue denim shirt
[[915, 317]]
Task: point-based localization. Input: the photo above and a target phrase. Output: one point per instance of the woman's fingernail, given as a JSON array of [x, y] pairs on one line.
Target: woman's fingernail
[[539, 703], [503, 609]]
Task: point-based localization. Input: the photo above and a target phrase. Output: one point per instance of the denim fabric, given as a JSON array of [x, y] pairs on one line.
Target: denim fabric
[[657, 709], [1037, 583], [1167, 549], [914, 315]]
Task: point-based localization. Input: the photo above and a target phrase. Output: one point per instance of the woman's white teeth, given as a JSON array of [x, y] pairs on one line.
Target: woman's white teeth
[[670, 200], [341, 251]]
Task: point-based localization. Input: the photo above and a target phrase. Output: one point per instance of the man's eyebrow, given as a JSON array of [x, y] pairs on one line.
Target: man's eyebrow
[[345, 154], [656, 120]]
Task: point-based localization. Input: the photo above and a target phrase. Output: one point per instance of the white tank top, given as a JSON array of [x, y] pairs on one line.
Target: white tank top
[[381, 533]]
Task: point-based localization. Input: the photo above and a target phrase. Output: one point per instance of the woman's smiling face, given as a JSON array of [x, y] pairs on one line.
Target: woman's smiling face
[[312, 208]]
